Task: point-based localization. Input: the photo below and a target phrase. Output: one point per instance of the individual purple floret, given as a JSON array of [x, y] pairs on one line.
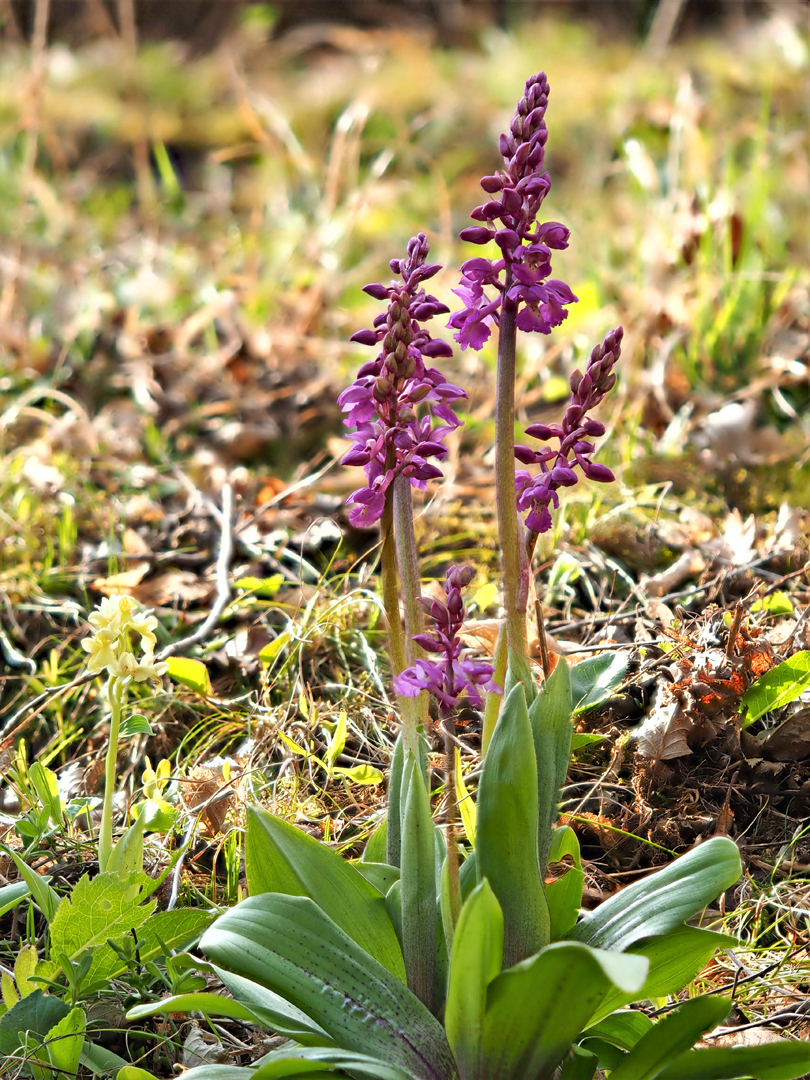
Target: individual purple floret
[[535, 493], [382, 404], [522, 274], [447, 676]]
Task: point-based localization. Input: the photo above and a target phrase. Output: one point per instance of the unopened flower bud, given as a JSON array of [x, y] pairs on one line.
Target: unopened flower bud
[[377, 291], [382, 388], [491, 184]]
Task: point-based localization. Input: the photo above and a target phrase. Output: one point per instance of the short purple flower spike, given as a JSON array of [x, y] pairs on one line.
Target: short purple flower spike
[[448, 676], [384, 402], [536, 493], [522, 274]]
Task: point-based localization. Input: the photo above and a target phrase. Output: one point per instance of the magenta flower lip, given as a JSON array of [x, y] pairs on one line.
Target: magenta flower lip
[[401, 410], [450, 676], [537, 493]]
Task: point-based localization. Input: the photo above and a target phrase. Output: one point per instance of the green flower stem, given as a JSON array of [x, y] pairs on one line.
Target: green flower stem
[[514, 559], [397, 646], [451, 837], [117, 695], [409, 580]]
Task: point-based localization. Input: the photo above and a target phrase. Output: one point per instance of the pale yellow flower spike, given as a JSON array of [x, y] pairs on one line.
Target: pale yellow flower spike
[[101, 648]]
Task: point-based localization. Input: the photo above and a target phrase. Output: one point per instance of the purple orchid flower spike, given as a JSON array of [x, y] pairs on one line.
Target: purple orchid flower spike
[[401, 409], [521, 276], [446, 675], [557, 467]]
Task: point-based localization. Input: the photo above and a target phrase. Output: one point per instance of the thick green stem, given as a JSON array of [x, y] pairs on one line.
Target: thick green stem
[[410, 583], [397, 645], [451, 839], [513, 550], [117, 693]]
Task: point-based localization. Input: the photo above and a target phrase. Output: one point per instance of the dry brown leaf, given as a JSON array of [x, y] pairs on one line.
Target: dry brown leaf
[[123, 584], [662, 736], [174, 586]]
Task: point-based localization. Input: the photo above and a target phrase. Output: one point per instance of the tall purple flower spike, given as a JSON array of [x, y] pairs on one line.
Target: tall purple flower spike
[[521, 275], [385, 401], [448, 676], [535, 493]]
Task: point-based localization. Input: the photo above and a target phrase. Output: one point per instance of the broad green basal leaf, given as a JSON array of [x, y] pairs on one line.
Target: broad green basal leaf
[[282, 859], [677, 1032], [774, 1061], [776, 687], [289, 945], [663, 900], [675, 959], [536, 1009], [594, 680]]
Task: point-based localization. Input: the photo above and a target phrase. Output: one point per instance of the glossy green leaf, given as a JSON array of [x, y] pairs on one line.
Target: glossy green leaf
[[375, 849], [536, 1009], [11, 895], [134, 724], [289, 945], [506, 833], [300, 1061], [251, 1003], [519, 673], [773, 1061], [777, 603], [46, 785], [418, 885], [623, 1028], [674, 1034], [579, 1064], [565, 893], [273, 649], [596, 679], [46, 898], [665, 899], [380, 875], [102, 907], [191, 673], [393, 837], [265, 587], [364, 775], [550, 719], [777, 687], [581, 739], [675, 959], [476, 959], [280, 858], [133, 1072]]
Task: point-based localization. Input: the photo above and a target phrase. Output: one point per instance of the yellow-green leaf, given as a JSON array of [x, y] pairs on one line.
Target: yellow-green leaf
[[361, 774], [466, 806], [191, 673]]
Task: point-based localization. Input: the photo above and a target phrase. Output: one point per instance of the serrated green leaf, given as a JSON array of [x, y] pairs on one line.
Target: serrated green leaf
[[663, 900], [105, 906], [364, 775], [774, 1061], [282, 859], [776, 687], [506, 843], [476, 959], [176, 929], [191, 673], [596, 679], [676, 1033], [418, 886], [64, 1044], [536, 1009], [287, 944], [135, 724]]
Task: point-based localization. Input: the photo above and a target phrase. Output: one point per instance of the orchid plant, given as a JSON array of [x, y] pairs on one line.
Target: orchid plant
[[117, 624], [426, 959]]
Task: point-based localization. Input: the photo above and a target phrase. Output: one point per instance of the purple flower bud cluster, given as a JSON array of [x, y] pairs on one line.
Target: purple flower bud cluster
[[535, 493], [400, 409], [447, 676], [521, 276]]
